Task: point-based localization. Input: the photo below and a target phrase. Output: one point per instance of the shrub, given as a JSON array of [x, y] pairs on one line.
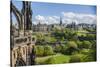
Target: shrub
[[72, 44], [84, 51], [48, 50], [75, 58], [93, 46], [79, 43], [51, 60], [72, 47], [39, 50], [63, 50], [91, 36], [91, 56], [60, 48], [87, 44], [57, 48]]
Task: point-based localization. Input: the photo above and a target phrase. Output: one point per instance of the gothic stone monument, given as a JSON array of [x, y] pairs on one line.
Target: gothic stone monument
[[22, 45]]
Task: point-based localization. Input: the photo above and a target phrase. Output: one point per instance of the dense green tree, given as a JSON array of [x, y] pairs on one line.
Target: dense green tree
[[57, 48], [60, 48], [79, 43], [72, 44], [48, 50], [90, 56], [87, 44], [91, 36], [64, 48], [39, 50], [72, 47]]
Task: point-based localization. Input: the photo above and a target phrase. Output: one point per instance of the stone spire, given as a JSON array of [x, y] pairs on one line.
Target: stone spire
[[27, 15], [60, 21]]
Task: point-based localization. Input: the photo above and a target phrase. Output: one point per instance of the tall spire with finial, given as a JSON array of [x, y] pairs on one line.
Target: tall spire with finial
[[60, 21]]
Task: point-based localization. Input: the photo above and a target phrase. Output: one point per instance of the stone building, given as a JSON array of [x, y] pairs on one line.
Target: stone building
[[72, 26], [46, 27], [40, 27], [86, 25]]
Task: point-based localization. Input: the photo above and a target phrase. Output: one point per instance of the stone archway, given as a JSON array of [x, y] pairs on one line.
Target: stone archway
[[17, 14]]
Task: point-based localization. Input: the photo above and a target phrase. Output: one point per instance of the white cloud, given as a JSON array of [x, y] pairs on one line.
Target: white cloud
[[52, 19], [56, 17], [39, 17], [69, 17], [46, 19]]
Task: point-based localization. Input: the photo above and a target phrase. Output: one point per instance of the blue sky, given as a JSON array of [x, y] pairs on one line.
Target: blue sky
[[55, 9]]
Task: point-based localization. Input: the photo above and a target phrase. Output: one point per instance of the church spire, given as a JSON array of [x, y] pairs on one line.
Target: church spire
[[60, 21]]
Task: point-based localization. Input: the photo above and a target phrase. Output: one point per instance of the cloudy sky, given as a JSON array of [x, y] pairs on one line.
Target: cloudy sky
[[49, 13]]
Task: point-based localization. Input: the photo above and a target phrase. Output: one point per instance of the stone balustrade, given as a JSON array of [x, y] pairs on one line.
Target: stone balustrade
[[19, 41]]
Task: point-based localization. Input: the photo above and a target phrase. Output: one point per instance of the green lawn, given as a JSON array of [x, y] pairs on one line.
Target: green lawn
[[82, 32], [57, 59]]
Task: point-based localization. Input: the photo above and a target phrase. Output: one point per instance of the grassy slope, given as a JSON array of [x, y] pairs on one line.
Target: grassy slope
[[59, 58]]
